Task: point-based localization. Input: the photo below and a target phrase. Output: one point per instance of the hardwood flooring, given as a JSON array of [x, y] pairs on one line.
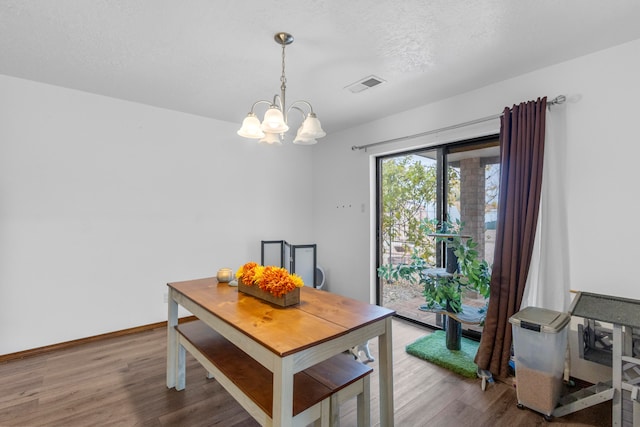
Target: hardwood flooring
[[121, 382]]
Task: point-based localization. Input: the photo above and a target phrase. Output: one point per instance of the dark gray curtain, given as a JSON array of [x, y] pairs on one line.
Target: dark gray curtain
[[522, 132]]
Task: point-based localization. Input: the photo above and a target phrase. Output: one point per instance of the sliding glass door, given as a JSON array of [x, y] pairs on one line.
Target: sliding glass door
[[455, 182]]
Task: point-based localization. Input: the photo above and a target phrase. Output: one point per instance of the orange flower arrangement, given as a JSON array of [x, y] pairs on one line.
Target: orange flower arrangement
[[275, 280]]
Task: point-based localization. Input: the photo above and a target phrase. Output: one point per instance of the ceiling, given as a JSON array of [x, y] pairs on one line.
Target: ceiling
[[215, 58]]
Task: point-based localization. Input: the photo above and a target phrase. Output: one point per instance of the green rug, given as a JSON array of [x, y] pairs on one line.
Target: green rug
[[434, 349]]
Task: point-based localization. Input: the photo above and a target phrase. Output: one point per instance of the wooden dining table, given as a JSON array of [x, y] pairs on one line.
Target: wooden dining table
[[285, 340]]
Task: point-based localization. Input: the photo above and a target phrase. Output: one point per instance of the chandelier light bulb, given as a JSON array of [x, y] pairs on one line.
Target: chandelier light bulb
[[251, 127], [311, 128], [299, 140], [271, 139], [274, 121]]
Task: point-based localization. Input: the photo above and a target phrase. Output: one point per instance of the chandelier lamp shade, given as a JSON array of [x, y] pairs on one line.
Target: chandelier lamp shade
[[274, 124]]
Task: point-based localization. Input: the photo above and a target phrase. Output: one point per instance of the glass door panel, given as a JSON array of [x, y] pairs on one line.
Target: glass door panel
[[474, 173], [455, 182]]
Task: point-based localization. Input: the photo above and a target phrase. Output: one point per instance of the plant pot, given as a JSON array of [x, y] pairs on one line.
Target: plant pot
[[288, 299]]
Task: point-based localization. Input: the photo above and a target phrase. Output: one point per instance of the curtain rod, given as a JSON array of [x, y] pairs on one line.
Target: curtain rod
[[560, 99]]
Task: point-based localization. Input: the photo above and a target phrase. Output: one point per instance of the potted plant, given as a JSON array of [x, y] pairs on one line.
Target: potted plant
[[443, 287]]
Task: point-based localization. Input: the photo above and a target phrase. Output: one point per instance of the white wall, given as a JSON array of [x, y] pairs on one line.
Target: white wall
[[600, 118], [603, 147], [102, 202]]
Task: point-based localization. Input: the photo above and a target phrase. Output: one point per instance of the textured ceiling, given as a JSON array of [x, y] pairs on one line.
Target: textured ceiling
[[215, 58]]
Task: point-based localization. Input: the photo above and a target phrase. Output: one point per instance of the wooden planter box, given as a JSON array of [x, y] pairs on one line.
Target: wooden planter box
[[286, 300]]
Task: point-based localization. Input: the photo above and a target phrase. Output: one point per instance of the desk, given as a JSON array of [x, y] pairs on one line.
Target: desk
[[284, 340]]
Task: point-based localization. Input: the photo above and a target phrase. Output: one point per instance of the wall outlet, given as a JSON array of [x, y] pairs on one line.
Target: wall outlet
[[166, 298]]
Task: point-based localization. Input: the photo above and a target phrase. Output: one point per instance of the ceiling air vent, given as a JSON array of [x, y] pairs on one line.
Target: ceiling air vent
[[364, 84]]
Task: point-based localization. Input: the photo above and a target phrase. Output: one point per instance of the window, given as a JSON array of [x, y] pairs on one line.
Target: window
[[458, 181]]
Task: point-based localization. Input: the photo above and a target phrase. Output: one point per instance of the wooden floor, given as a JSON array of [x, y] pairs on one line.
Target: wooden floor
[[121, 381]]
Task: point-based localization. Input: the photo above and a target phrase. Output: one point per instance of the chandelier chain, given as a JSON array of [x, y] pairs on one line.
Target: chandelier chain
[[283, 78]]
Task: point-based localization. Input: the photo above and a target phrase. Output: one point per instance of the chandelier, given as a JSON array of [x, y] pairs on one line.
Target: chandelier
[[275, 122]]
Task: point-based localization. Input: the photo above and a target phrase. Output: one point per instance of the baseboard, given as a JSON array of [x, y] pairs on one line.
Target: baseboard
[[69, 344]]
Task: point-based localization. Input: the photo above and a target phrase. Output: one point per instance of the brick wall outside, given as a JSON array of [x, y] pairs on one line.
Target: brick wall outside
[[472, 201]]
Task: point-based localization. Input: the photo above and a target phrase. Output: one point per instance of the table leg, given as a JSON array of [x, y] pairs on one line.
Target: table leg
[[181, 370], [385, 373], [172, 341], [283, 392]]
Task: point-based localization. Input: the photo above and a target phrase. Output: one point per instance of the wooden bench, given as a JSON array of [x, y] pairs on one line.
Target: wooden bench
[[346, 378], [317, 391]]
